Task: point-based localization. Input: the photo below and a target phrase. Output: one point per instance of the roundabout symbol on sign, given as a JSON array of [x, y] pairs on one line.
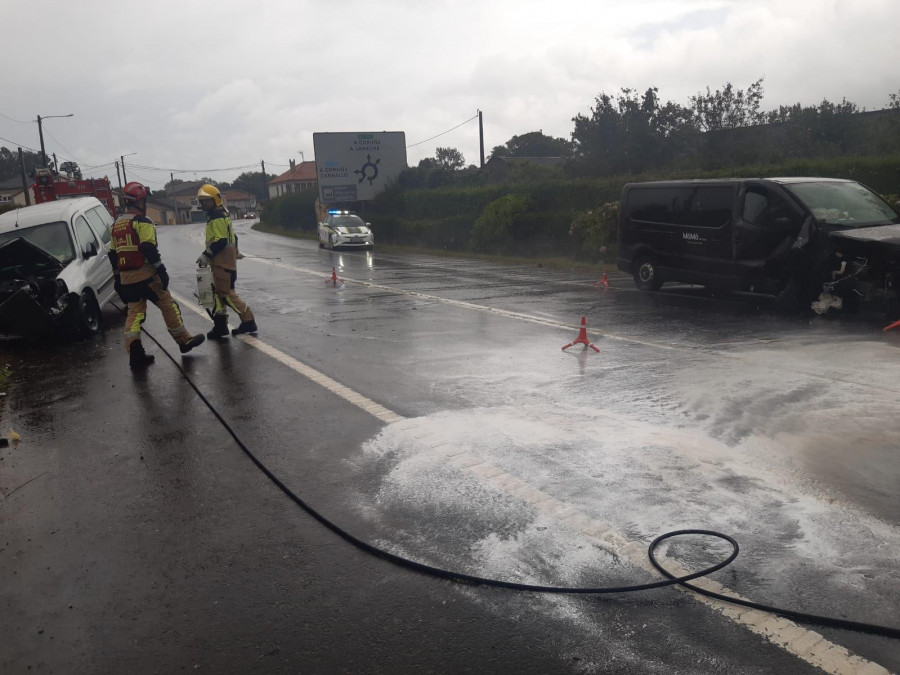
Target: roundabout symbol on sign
[[368, 170]]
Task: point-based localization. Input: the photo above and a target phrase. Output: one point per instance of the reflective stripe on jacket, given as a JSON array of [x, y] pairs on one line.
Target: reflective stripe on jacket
[[218, 227]]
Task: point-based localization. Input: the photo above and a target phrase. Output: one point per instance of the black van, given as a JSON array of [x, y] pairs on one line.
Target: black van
[[763, 235]]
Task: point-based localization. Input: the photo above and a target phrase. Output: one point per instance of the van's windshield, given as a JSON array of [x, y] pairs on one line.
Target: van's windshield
[[844, 204], [51, 237]]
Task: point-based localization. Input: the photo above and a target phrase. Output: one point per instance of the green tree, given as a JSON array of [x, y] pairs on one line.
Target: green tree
[[251, 182], [9, 162], [627, 134], [534, 144], [449, 158], [727, 108]]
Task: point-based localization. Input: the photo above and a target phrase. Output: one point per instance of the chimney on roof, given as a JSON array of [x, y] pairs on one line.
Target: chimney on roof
[[292, 163]]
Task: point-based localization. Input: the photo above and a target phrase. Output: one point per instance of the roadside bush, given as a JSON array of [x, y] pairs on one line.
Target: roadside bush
[[493, 231], [594, 233], [293, 211]]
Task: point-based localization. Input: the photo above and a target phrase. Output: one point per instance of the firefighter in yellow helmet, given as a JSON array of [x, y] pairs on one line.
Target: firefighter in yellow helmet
[[221, 254], [141, 276]]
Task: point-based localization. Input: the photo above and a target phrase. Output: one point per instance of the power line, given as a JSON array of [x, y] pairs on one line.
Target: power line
[[21, 145], [170, 170], [12, 119], [62, 146], [442, 133]]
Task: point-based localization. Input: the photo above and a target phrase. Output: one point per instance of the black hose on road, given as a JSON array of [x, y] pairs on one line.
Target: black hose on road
[[671, 579]]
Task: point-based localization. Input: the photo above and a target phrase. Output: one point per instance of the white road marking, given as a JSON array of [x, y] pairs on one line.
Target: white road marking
[[805, 644], [531, 318]]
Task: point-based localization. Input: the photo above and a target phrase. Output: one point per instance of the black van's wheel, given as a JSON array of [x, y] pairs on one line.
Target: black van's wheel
[[88, 314], [646, 274]]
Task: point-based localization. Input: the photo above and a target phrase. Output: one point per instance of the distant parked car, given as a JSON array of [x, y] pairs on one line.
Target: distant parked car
[[55, 274], [343, 229]]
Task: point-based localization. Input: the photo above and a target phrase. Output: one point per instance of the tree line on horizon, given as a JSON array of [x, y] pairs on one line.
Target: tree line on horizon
[[632, 133]]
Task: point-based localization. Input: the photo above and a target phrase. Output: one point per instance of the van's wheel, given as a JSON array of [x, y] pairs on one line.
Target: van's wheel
[[88, 314], [646, 274]]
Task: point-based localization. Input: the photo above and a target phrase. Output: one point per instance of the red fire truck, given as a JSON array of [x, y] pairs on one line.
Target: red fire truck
[[49, 187]]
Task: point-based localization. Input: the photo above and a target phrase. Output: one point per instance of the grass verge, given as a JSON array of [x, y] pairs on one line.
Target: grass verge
[[558, 263]]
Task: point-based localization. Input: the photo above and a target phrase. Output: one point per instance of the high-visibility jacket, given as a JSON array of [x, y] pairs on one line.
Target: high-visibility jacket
[[221, 241], [133, 248]]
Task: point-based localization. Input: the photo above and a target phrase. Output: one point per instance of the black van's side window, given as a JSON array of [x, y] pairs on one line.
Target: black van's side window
[[671, 206], [768, 210], [712, 206]]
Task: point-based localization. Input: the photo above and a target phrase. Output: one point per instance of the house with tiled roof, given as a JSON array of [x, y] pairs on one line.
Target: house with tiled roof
[[299, 177], [239, 203], [13, 194], [185, 195]]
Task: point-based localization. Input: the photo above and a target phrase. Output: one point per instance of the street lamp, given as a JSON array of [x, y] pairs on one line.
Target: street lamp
[[41, 134], [124, 177]]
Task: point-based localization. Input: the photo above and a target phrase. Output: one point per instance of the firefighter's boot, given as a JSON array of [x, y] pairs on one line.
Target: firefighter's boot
[[138, 358], [220, 327], [195, 341], [245, 327]]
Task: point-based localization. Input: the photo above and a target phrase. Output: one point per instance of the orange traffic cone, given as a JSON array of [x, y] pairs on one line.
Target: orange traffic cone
[[604, 281], [582, 338], [333, 279], [896, 324]]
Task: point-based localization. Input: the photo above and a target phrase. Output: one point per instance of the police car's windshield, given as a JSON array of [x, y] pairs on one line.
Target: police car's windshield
[[348, 223], [51, 237], [845, 204]]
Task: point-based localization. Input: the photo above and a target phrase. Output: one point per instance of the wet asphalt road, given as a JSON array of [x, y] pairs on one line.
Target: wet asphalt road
[[137, 537]]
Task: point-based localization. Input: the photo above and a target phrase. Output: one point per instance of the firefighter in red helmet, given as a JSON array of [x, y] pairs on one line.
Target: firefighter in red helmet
[[141, 276], [221, 254]]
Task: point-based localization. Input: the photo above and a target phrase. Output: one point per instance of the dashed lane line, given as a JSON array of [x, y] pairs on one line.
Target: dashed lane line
[[805, 644], [531, 318]]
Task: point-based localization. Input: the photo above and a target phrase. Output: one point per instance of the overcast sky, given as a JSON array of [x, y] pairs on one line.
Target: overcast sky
[[196, 86]]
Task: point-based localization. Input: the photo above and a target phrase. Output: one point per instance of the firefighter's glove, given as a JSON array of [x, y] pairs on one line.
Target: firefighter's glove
[[202, 261], [163, 277]]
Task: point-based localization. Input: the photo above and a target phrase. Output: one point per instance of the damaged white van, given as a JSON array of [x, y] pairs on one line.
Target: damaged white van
[[55, 276]]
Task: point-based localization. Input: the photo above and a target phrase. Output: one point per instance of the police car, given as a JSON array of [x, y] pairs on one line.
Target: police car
[[344, 229]]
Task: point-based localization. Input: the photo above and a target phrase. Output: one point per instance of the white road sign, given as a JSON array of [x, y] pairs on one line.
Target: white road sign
[[356, 166]]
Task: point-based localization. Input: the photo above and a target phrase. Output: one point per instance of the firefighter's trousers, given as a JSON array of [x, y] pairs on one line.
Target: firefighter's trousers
[[226, 297], [137, 295]]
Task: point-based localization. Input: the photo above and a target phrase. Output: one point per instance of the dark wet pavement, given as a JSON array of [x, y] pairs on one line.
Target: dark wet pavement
[[136, 536]]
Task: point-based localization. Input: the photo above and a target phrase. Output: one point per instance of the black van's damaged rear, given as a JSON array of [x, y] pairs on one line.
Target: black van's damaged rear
[[823, 243]]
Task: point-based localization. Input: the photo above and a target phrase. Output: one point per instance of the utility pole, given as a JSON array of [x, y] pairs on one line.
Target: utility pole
[[481, 137], [41, 134], [265, 180], [55, 164], [118, 175], [123, 169], [24, 180]]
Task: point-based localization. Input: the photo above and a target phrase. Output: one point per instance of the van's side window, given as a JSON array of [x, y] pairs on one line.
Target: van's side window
[[84, 234], [768, 210], [98, 223], [671, 206], [712, 206]]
